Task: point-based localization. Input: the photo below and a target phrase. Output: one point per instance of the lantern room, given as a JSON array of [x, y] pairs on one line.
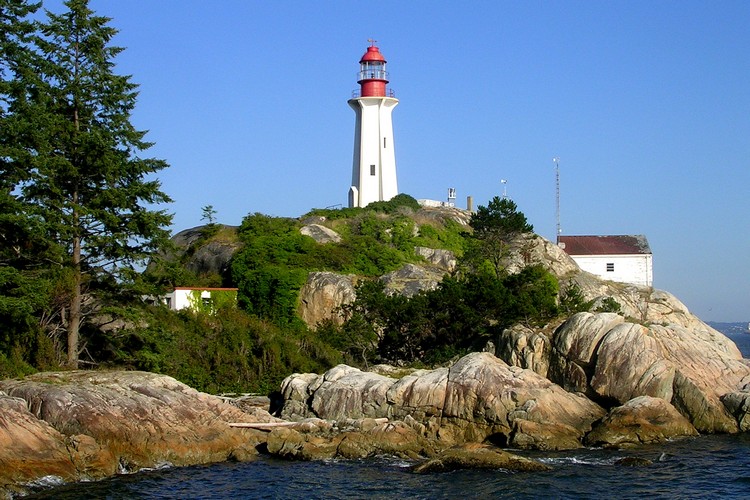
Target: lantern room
[[372, 76]]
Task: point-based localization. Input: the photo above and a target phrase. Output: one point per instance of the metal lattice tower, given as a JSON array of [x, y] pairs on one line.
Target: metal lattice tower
[[557, 198]]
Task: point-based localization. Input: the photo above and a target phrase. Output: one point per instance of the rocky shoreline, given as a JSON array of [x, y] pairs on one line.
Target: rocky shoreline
[[82, 426], [597, 380]]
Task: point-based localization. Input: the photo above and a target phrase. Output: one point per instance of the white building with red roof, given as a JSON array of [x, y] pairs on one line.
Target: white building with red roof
[[623, 258]]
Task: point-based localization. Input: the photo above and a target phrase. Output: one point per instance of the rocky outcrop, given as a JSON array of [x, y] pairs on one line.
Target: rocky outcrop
[[574, 346], [441, 215], [323, 295], [647, 375], [411, 279], [325, 292], [642, 420], [211, 257], [480, 397], [526, 348], [530, 249], [87, 425], [29, 448], [610, 359], [318, 439], [738, 404], [320, 233], [443, 259], [477, 456]]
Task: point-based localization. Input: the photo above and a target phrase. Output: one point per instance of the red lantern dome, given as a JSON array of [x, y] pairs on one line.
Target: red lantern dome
[[372, 76]]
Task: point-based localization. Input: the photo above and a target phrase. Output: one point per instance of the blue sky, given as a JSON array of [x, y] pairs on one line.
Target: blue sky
[[647, 105]]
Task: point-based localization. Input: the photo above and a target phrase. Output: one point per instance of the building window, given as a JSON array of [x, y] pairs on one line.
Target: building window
[[372, 169], [610, 267]]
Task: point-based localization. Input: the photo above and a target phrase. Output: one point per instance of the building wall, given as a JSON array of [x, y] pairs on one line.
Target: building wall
[[634, 269], [182, 298], [373, 145]]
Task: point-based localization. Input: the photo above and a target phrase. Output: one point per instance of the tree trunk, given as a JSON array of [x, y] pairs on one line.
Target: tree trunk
[[74, 322]]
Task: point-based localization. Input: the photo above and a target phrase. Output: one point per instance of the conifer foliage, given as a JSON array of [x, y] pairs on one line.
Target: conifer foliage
[[68, 139]]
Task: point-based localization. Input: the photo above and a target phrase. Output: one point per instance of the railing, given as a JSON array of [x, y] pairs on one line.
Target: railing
[[372, 74], [357, 93]]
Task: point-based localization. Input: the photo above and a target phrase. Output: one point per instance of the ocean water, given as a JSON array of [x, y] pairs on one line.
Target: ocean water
[[702, 467]]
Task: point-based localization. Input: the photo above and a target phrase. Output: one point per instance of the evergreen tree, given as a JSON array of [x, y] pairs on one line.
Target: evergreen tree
[[86, 178], [25, 284], [494, 227]]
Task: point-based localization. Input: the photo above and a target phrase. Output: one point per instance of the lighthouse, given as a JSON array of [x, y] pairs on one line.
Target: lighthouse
[[374, 164]]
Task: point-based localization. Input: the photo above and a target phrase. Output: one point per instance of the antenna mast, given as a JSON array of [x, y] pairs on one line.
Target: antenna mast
[[557, 198]]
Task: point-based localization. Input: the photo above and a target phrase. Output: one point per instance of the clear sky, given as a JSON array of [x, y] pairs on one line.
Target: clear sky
[[646, 103]]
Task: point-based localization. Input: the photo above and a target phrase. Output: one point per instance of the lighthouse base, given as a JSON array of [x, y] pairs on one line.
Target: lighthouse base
[[353, 197]]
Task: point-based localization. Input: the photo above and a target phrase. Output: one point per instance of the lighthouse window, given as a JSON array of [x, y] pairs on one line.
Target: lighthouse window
[[372, 169], [384, 138], [610, 267]]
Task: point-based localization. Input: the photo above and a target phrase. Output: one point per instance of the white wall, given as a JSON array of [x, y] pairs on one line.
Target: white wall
[[181, 298], [635, 269], [373, 145]]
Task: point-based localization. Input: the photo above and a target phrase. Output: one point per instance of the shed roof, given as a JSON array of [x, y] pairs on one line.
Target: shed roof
[[605, 245]]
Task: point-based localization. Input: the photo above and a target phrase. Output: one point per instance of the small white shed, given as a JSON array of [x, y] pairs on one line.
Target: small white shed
[[185, 297], [622, 258]]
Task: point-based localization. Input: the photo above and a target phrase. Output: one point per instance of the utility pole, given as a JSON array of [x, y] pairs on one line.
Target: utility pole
[[557, 198]]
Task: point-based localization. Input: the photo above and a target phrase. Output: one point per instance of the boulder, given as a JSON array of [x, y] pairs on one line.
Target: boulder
[[738, 404], [642, 420], [320, 234], [322, 296], [487, 399], [441, 215], [630, 363], [444, 259], [411, 279], [574, 346], [289, 443], [388, 438], [480, 397], [342, 392], [131, 419], [530, 249], [212, 257], [614, 361], [707, 367], [477, 456], [30, 448], [524, 347]]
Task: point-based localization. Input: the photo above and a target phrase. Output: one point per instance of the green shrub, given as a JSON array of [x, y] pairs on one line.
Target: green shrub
[[227, 352], [609, 304]]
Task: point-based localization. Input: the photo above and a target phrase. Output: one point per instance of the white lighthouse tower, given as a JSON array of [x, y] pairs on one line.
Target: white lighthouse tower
[[374, 165]]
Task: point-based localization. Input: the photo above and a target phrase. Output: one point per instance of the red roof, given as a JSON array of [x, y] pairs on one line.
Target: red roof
[[372, 54], [604, 245]]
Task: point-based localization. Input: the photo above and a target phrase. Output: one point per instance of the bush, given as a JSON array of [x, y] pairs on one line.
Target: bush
[[217, 353], [609, 304], [460, 315]]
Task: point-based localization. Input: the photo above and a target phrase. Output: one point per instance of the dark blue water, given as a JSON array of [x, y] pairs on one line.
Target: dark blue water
[[703, 467]]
